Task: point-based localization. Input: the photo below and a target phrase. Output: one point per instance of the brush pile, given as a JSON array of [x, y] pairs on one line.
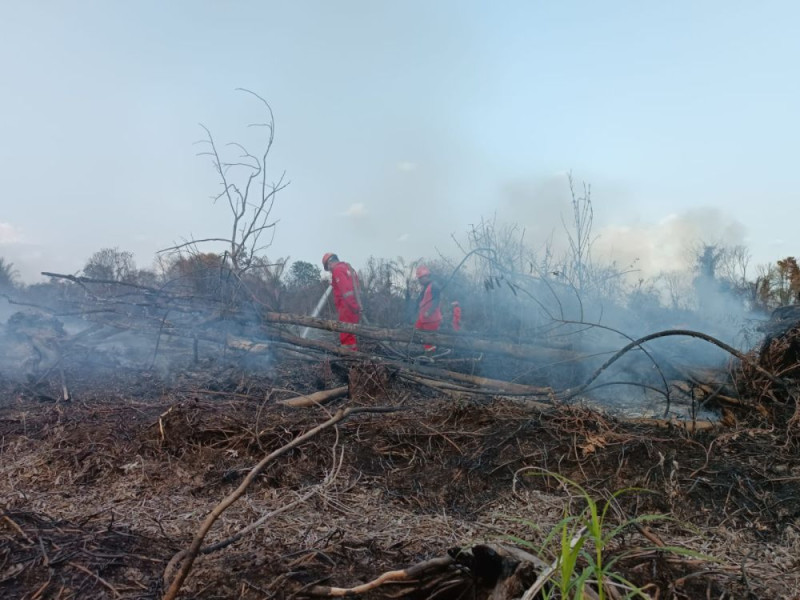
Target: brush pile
[[398, 476]]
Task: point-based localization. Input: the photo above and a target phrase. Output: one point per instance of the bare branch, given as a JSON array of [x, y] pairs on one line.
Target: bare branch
[[194, 549], [192, 242]]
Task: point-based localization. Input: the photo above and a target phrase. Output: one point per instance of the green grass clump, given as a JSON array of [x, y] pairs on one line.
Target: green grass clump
[[578, 541]]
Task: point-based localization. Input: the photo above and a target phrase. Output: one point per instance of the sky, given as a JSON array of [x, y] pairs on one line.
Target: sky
[[399, 124]]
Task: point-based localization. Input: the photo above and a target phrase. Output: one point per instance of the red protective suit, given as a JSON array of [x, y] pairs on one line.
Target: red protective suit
[[344, 282], [429, 302], [456, 316]]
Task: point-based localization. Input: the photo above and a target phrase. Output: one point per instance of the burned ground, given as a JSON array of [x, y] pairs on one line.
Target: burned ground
[[100, 492]]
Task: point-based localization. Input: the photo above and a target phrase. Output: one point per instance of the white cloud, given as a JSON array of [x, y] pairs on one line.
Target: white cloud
[[406, 166], [403, 238], [355, 210], [9, 235]]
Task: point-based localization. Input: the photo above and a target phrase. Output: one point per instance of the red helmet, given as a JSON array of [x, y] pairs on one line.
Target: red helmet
[[325, 258], [423, 271]]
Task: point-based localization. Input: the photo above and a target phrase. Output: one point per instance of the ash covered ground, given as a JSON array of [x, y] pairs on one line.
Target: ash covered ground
[[101, 491]]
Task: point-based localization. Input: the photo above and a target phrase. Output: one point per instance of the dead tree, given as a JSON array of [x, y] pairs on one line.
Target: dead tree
[[580, 237], [250, 195]]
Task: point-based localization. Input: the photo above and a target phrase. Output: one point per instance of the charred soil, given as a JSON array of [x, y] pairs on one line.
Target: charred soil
[[99, 493]]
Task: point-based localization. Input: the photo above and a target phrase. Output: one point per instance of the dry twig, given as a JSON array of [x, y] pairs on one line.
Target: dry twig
[[191, 553]]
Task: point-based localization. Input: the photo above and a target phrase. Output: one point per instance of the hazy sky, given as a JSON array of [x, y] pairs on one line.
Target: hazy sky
[[400, 123]]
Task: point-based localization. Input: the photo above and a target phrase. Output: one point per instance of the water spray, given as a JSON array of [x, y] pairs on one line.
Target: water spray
[[317, 310]]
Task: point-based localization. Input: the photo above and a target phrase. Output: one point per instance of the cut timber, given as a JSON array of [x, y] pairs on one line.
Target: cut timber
[[724, 398], [316, 397], [461, 342], [411, 574], [706, 393], [690, 426], [247, 345], [494, 386]]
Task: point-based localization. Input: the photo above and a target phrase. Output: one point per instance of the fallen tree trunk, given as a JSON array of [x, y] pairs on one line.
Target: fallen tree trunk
[[495, 385], [460, 342], [316, 397], [411, 574], [689, 426]]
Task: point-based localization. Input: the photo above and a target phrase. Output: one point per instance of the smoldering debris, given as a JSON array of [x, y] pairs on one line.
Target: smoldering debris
[[135, 326]]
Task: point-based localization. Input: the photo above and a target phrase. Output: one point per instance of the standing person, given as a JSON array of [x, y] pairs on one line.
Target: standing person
[[346, 297], [456, 315], [429, 310]]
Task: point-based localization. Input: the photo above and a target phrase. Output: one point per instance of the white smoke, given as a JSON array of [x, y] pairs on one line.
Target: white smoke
[[667, 245], [9, 234], [543, 208]]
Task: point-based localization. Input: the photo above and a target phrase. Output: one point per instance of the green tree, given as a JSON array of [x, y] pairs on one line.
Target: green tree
[[303, 274]]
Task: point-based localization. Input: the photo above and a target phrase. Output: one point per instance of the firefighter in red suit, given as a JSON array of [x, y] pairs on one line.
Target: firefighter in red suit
[[456, 315], [429, 317], [344, 282]]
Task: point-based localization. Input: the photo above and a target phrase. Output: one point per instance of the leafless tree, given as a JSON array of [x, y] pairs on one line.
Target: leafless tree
[[249, 193], [579, 235], [733, 264], [678, 289], [111, 264]]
